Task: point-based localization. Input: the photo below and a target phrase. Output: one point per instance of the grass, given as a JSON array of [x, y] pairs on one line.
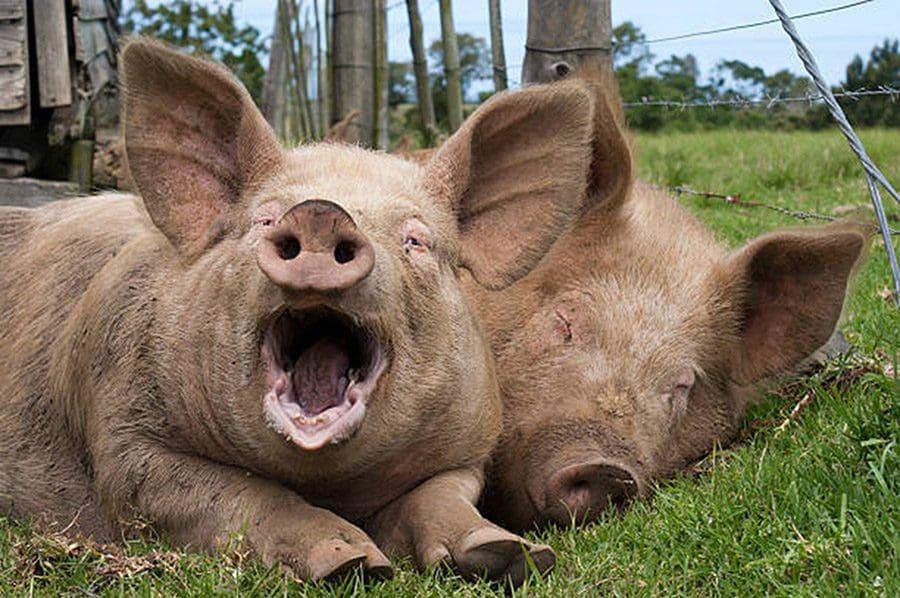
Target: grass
[[811, 507]]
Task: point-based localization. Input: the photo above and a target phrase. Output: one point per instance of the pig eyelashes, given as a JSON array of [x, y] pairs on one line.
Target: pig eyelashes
[[563, 326], [416, 237], [412, 243]]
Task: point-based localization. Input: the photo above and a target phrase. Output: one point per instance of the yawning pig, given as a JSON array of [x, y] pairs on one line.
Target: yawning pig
[[635, 345], [274, 343]]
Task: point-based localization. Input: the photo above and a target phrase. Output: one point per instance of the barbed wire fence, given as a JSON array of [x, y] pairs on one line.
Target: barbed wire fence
[[736, 199], [874, 177], [768, 101]]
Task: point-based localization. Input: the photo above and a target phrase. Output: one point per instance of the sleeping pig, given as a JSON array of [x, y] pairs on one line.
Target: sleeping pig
[[273, 345], [635, 345]]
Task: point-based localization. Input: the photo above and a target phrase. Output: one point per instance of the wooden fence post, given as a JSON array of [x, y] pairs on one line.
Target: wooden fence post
[[579, 36]]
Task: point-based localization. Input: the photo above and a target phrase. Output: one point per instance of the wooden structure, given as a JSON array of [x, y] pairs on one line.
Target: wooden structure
[[54, 65], [579, 36]]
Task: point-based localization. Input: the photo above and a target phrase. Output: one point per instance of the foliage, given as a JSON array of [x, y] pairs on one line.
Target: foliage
[[474, 61], [401, 84], [881, 69], [678, 78], [808, 510], [204, 27]]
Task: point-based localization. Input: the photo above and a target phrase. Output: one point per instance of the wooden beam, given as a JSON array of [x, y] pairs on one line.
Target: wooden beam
[[577, 36], [51, 43], [15, 100]]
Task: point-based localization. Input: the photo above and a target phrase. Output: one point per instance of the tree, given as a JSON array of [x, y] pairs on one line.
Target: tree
[[498, 56], [401, 87], [206, 28], [474, 60], [420, 70], [737, 79], [881, 69], [353, 67], [452, 77], [630, 50]]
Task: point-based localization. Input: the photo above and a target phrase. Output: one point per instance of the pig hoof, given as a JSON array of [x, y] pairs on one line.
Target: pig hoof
[[334, 558], [497, 554]]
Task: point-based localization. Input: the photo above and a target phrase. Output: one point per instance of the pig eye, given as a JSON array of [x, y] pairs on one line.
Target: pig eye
[[563, 326], [413, 243], [684, 381], [264, 220], [415, 237]]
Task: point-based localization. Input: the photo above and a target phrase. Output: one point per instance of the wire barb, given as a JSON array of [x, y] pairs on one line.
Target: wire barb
[[768, 102], [873, 174]]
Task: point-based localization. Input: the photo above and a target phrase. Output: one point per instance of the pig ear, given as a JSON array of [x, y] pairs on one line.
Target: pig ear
[[611, 171], [794, 289], [194, 141], [518, 173]]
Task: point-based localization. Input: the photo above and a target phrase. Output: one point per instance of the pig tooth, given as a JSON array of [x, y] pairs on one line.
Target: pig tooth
[[353, 375]]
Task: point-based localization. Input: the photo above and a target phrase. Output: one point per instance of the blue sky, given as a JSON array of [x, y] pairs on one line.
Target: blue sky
[[833, 38]]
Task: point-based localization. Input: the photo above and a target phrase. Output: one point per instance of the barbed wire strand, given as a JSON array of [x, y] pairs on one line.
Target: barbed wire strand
[[873, 174], [796, 17], [768, 102], [736, 199]]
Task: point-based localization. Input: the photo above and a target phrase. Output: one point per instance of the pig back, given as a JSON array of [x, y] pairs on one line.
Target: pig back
[[50, 255]]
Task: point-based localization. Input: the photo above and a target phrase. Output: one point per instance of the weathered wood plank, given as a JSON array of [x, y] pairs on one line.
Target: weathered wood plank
[[93, 39], [12, 43], [51, 42], [15, 99], [13, 90], [12, 9], [92, 9]]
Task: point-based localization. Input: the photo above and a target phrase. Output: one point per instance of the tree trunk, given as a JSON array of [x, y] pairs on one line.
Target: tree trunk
[[420, 69], [307, 60], [352, 67], [273, 87], [321, 87], [329, 75], [293, 38], [497, 55], [451, 66], [380, 135], [578, 37]]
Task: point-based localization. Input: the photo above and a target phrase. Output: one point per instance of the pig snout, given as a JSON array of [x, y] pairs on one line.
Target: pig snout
[[582, 491], [316, 246]]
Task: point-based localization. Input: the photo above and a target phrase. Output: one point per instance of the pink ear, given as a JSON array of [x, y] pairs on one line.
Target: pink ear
[[522, 169], [795, 285], [194, 140]]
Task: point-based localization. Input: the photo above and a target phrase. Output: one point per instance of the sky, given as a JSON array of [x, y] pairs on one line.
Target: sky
[[833, 38]]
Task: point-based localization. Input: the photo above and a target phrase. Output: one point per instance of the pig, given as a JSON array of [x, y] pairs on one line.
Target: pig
[[635, 345], [272, 346]]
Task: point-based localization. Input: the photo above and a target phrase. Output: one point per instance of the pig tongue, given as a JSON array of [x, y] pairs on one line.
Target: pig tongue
[[320, 375]]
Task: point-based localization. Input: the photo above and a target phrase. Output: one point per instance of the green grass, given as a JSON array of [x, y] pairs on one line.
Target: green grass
[[810, 508]]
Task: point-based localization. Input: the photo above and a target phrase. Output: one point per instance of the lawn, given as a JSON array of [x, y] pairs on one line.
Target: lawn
[[807, 503]]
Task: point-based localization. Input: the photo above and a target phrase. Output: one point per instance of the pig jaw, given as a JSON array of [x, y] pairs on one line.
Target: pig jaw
[[567, 470], [321, 369]]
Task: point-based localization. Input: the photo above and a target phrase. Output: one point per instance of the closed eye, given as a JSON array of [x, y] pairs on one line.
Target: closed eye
[[565, 326]]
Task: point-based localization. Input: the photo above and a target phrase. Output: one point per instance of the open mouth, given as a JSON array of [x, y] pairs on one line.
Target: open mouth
[[321, 370]]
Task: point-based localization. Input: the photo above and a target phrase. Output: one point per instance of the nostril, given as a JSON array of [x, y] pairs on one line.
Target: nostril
[[579, 494], [288, 248], [344, 252]]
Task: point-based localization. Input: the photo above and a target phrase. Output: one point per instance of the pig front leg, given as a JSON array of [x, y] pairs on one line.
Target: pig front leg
[[202, 504], [437, 522]]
